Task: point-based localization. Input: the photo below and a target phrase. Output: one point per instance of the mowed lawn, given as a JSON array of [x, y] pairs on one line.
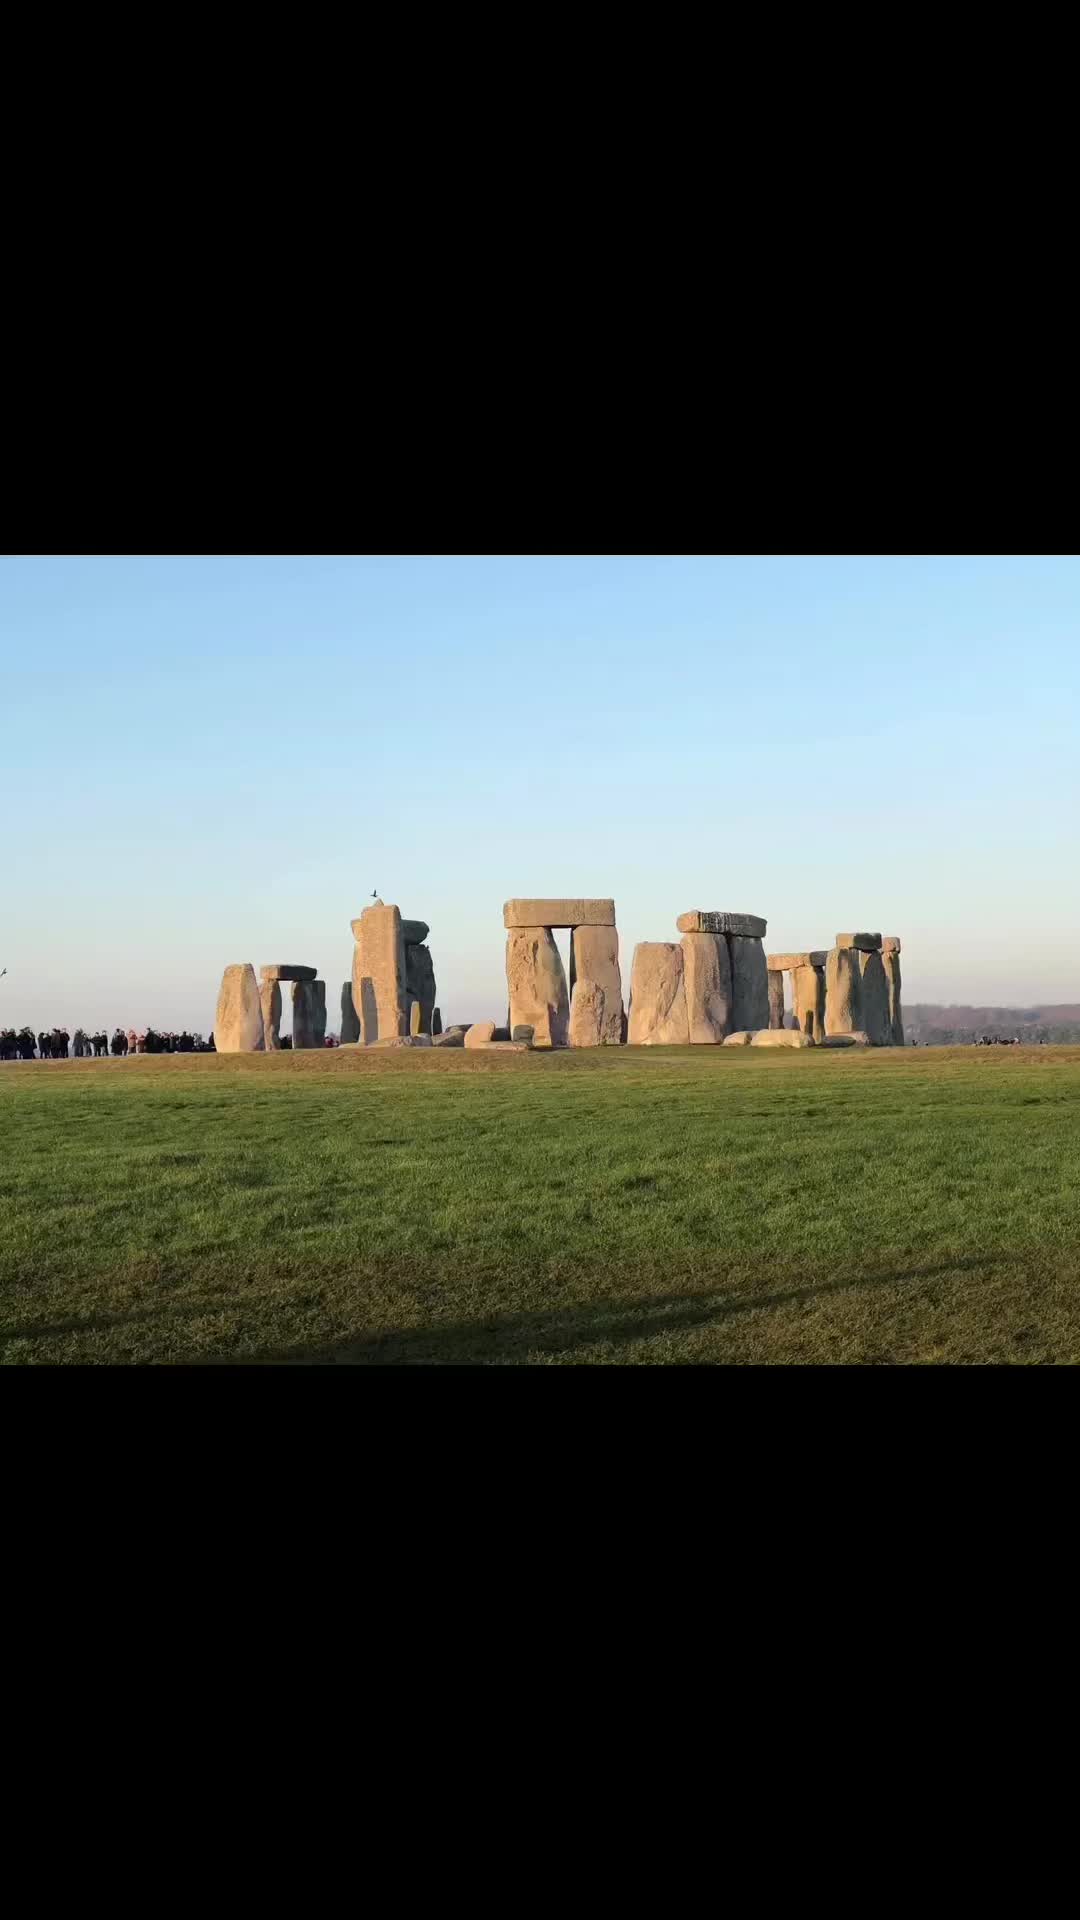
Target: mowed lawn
[[625, 1205]]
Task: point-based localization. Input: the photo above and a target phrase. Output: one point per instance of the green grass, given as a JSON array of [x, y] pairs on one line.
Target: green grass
[[632, 1205]]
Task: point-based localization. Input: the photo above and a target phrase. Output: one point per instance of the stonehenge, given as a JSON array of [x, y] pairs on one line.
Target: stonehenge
[[715, 986]]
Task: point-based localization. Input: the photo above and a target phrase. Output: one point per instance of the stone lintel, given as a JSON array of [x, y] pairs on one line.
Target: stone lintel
[[890, 943], [787, 962], [745, 926], [281, 972], [414, 932], [866, 942], [559, 913]]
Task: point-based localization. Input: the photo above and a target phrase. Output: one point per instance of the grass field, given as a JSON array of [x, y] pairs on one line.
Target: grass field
[[631, 1205]]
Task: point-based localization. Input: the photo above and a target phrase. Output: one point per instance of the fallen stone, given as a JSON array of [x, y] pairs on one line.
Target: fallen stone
[[379, 974], [891, 963], [481, 1035], [843, 992], [350, 1025], [808, 1000], [594, 962], [739, 1039], [776, 999], [523, 1033], [414, 932], [537, 983], [658, 1016], [305, 1014], [238, 1021], [874, 986], [749, 985], [867, 942], [270, 1002], [559, 913], [787, 962], [287, 973], [782, 1037], [707, 983], [393, 1040], [748, 926], [844, 1040], [453, 1037]]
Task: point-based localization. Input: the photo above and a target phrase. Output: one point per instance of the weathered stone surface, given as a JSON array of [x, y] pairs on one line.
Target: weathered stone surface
[[523, 1033], [874, 987], [537, 983], [350, 1025], [436, 1021], [749, 985], [480, 1035], [787, 962], [843, 992], [658, 1016], [379, 973], [419, 988], [414, 932], [505, 1046], [319, 988], [305, 1015], [855, 1039], [559, 913], [776, 999], [890, 943], [594, 962], [270, 1002], [279, 972], [891, 963], [748, 926], [586, 1015], [707, 983], [808, 1001], [782, 1037], [238, 1021], [742, 1039], [866, 942], [453, 1037], [391, 1041]]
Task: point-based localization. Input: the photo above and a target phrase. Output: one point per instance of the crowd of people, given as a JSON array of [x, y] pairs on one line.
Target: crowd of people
[[59, 1044]]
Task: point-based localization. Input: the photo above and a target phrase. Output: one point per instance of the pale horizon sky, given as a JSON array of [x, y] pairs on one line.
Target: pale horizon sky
[[216, 759]]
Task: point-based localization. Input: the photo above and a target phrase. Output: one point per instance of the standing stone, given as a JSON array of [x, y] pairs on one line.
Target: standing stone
[[588, 1004], [537, 983], [379, 973], [594, 964], [419, 987], [238, 1021], [776, 998], [808, 999], [436, 1022], [875, 1000], [319, 990], [658, 1016], [890, 957], [822, 1001], [270, 1000], [707, 984], [350, 1025], [749, 984], [843, 995], [304, 1014]]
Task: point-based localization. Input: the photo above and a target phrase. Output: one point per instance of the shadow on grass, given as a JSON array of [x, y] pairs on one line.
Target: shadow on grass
[[506, 1337], [613, 1323]]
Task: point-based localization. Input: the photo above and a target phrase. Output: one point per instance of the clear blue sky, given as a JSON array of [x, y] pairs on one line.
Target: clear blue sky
[[205, 760]]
